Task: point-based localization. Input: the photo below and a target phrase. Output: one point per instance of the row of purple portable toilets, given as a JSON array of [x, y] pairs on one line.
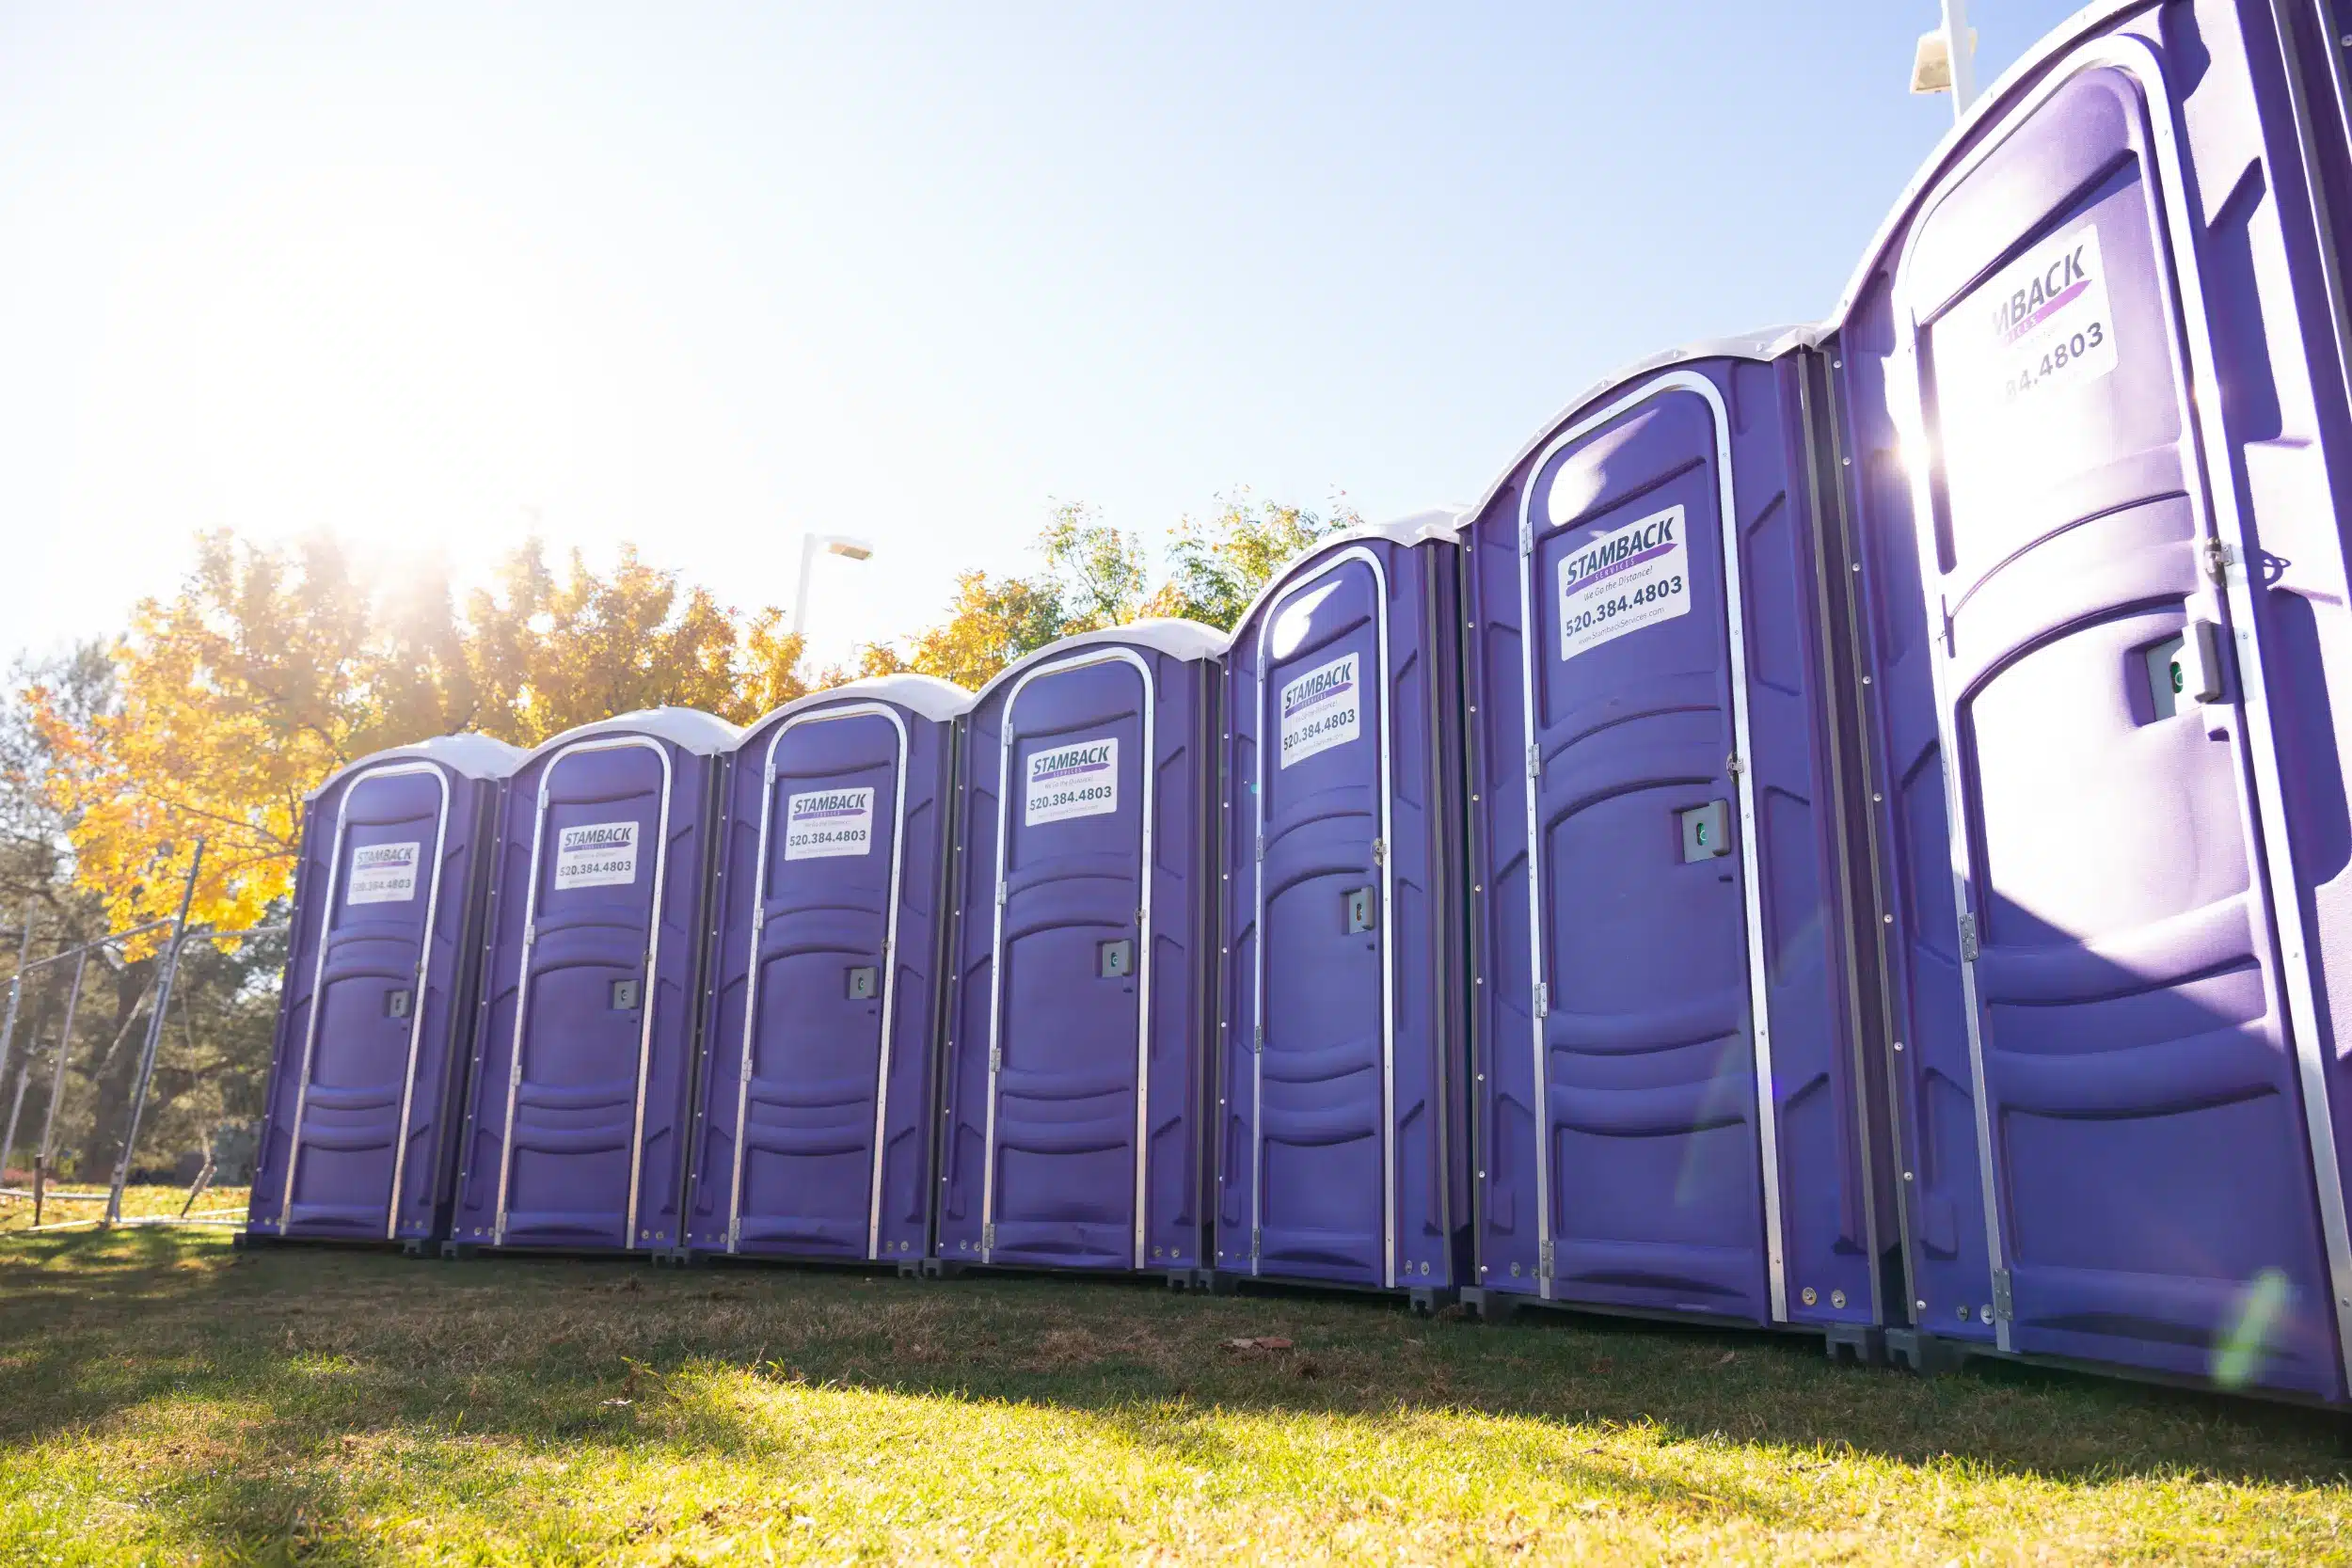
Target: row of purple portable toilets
[[1848, 833]]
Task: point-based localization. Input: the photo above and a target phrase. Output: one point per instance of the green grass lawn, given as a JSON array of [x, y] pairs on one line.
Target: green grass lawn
[[17, 1214], [165, 1399]]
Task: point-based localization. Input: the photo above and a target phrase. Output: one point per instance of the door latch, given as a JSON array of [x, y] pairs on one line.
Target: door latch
[[399, 1004], [1114, 960], [624, 994], [862, 980], [1362, 904], [1706, 830]]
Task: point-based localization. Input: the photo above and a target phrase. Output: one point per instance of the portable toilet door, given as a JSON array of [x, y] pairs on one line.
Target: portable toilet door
[[2093, 384], [358, 1139], [1078, 1024], [585, 1039], [1672, 1103], [827, 980], [1343, 1042]]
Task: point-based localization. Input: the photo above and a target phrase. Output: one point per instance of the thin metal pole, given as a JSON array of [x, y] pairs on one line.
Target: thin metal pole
[[8, 1145], [154, 1038], [65, 1053], [800, 594], [16, 993], [1960, 45]]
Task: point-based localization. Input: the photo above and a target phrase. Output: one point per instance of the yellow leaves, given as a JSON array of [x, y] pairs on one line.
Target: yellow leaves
[[272, 667], [991, 622]]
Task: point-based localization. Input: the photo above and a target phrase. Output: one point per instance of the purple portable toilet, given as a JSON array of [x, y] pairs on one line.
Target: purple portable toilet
[[585, 1036], [816, 1129], [1673, 1110], [1343, 1042], [2094, 423], [359, 1139], [1079, 1015]]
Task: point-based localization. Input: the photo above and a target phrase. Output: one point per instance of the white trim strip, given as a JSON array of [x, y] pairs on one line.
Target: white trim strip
[[1352, 555], [318, 979], [648, 986], [892, 894], [1149, 772], [1743, 783]]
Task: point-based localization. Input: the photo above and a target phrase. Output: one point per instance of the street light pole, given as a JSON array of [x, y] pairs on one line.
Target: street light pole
[[1962, 41], [1947, 60], [832, 544]]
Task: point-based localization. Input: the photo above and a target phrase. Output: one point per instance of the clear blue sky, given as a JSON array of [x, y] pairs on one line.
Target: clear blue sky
[[705, 277]]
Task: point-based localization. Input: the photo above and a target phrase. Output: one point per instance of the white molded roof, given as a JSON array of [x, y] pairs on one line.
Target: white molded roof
[[926, 695], [476, 756], [705, 734], [1167, 634], [1763, 346], [1443, 524]]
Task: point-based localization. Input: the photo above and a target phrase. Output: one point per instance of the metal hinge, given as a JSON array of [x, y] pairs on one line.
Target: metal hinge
[[1732, 765], [1967, 939], [1543, 1261], [747, 1066], [1262, 845], [1380, 851], [1527, 538], [1000, 894], [1534, 762], [735, 1234], [995, 1059], [2218, 558], [2003, 1310], [1257, 1238], [1257, 1038], [1543, 998], [988, 1237]]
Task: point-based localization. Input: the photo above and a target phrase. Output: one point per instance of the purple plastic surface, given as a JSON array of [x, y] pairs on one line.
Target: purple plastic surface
[[597, 915], [2125, 424], [1074, 1035], [846, 791], [1654, 1120], [387, 962], [1343, 702]]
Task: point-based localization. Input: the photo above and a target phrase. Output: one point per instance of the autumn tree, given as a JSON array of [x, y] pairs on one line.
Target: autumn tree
[[273, 666], [549, 651]]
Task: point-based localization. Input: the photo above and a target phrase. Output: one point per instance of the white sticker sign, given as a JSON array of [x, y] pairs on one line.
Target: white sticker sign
[[827, 822], [1072, 781], [596, 854], [384, 873], [1623, 580], [1321, 709], [2042, 322]]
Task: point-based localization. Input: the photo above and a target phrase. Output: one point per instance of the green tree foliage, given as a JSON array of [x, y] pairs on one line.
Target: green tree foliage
[[1094, 575], [1217, 565]]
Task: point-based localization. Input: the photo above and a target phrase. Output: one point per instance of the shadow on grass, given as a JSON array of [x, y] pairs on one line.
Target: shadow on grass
[[315, 1350]]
